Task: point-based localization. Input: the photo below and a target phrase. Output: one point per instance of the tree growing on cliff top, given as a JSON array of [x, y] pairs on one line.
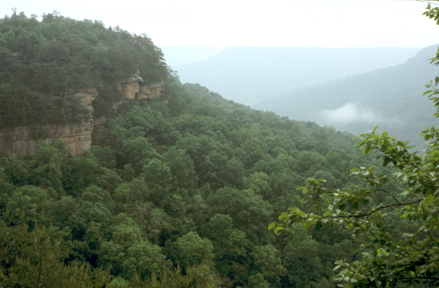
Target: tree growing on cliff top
[[388, 260], [44, 63]]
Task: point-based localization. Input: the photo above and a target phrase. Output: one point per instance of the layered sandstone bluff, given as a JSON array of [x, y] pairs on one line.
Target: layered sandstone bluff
[[132, 88], [24, 140]]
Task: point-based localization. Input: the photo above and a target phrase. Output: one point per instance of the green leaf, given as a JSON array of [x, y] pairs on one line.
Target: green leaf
[[271, 226]]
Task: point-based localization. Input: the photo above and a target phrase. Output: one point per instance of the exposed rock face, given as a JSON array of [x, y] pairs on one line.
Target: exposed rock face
[[133, 89], [24, 140], [151, 91], [130, 87]]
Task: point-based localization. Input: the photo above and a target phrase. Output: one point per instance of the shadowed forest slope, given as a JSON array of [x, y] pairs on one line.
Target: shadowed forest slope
[[176, 191], [390, 98]]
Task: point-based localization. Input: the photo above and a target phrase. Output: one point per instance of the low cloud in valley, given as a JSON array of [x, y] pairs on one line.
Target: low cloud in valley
[[350, 113]]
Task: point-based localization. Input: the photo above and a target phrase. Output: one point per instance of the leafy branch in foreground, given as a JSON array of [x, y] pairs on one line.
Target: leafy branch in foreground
[[385, 261], [388, 259]]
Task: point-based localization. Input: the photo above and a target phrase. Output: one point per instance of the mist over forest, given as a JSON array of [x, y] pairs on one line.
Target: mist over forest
[[248, 75], [117, 172], [351, 89]]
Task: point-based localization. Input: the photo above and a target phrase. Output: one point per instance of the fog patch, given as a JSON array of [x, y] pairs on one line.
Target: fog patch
[[350, 113]]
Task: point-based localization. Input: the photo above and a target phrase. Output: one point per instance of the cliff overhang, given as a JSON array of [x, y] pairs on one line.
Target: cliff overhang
[[78, 137]]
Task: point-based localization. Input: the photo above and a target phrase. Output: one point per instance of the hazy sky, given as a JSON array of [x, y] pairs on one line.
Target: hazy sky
[[318, 23]]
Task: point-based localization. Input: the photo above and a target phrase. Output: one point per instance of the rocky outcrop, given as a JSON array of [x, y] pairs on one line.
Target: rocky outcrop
[[78, 137], [24, 140], [132, 88], [151, 91]]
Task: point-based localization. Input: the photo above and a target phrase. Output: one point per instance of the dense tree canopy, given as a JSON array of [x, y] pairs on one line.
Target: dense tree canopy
[[399, 234], [44, 63], [191, 184], [179, 193]]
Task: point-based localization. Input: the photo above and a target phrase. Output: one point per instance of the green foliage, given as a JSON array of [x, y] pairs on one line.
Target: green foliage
[[194, 182], [389, 95], [34, 259], [145, 259], [43, 64], [201, 276], [385, 260], [269, 263], [301, 258], [193, 250], [258, 281], [30, 201], [178, 193], [390, 256]]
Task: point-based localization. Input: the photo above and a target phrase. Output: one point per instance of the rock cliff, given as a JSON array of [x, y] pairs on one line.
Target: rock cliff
[[24, 140], [133, 89]]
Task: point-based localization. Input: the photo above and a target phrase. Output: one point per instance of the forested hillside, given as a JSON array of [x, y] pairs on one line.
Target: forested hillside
[[175, 192], [196, 180], [390, 98], [43, 64]]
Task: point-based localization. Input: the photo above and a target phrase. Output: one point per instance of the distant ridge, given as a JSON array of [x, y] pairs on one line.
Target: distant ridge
[[250, 74], [391, 98]]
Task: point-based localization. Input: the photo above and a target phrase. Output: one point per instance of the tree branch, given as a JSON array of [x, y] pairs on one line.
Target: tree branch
[[417, 277], [369, 213], [382, 207]]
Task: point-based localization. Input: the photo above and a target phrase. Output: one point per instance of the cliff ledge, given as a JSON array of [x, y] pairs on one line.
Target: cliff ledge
[[24, 140]]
